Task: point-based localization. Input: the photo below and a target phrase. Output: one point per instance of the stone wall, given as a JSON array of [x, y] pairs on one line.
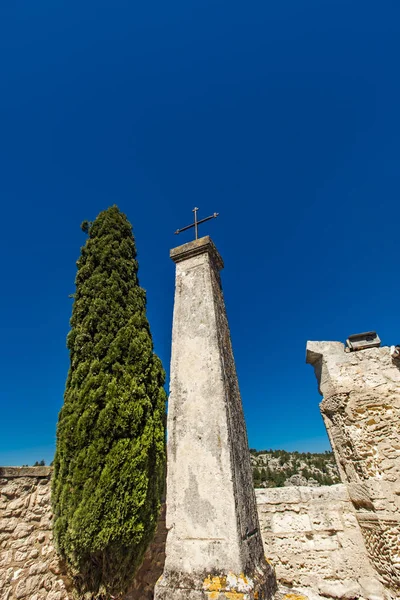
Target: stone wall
[[310, 535], [29, 567], [152, 566], [312, 538], [361, 411]]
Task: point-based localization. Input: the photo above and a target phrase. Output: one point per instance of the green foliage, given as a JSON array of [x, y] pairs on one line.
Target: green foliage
[[109, 464], [271, 468], [41, 463], [282, 459], [256, 477]]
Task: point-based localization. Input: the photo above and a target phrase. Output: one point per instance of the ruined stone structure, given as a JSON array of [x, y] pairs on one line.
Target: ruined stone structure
[[361, 411], [313, 540], [214, 548]]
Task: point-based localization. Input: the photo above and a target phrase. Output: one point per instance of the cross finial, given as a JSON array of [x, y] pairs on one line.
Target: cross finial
[[196, 222]]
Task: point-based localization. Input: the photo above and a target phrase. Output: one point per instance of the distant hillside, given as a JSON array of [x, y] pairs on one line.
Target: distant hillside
[[278, 468]]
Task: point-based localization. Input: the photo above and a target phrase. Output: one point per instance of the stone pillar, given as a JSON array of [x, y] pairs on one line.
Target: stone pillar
[[214, 548], [361, 411]]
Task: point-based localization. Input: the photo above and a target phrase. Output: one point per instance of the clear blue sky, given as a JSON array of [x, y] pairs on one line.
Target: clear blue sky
[[282, 116]]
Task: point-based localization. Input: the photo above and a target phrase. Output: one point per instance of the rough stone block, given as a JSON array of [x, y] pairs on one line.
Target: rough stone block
[[22, 530], [289, 522], [8, 524], [323, 519], [344, 590]]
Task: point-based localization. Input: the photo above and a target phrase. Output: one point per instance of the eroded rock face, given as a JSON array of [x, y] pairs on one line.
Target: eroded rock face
[[361, 411]]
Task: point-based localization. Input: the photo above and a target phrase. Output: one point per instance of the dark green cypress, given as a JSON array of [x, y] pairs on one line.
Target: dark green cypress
[[110, 455]]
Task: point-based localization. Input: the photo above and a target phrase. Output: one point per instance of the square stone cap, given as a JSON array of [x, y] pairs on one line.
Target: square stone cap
[[196, 247]]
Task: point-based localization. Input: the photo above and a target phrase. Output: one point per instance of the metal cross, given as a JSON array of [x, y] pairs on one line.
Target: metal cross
[[196, 223]]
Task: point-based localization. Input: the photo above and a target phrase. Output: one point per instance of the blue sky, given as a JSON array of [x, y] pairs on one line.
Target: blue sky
[[281, 116]]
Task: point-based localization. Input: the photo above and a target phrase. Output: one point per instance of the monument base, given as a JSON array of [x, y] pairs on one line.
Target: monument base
[[181, 586]]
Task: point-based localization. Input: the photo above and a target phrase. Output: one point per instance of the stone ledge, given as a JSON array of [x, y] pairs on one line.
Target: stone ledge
[[315, 350], [196, 247], [302, 494], [10, 472]]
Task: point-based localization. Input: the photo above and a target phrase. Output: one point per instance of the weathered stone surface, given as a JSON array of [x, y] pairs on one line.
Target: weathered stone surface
[[361, 411], [22, 569], [35, 472], [313, 540], [152, 566], [213, 543], [22, 530], [329, 549], [8, 525]]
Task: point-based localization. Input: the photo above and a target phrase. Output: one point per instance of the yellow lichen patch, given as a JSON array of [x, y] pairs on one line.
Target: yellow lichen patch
[[228, 586], [214, 584], [226, 594], [294, 597]]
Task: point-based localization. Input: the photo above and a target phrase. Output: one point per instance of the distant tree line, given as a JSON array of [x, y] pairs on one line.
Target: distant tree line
[[319, 467]]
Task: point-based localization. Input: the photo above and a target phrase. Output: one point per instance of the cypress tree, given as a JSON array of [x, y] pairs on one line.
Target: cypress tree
[[110, 455]]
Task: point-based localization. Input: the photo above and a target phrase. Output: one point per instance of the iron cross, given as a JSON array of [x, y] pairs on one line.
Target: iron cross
[[196, 223]]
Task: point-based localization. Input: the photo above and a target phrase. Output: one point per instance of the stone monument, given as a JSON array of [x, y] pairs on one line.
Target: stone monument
[[214, 548]]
